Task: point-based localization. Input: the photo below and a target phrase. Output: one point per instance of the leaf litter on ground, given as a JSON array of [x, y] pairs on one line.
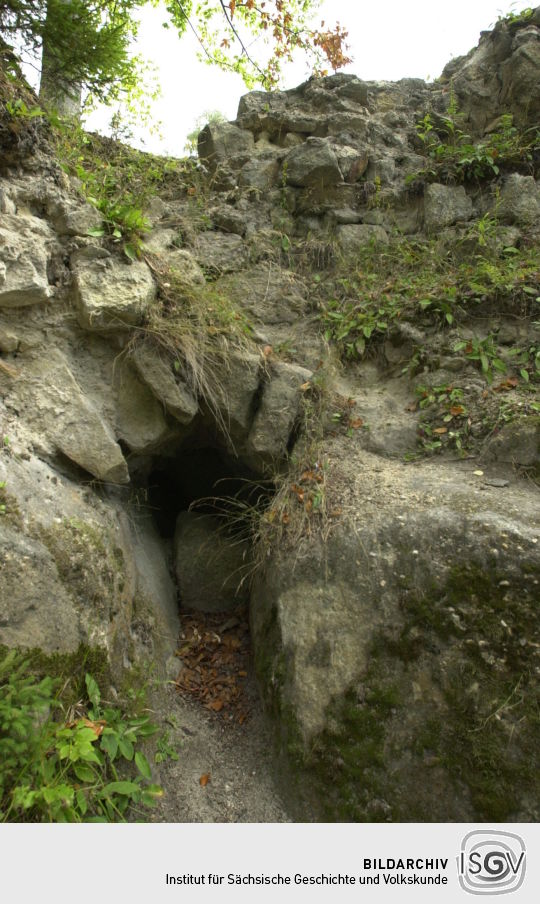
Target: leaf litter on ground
[[214, 650]]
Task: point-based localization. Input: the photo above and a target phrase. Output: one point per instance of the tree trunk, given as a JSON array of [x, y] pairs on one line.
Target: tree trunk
[[55, 92]]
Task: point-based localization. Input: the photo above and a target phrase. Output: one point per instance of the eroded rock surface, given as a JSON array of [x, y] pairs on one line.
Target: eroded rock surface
[[395, 613], [212, 566]]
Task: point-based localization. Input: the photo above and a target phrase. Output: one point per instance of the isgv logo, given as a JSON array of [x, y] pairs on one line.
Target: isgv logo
[[491, 862]]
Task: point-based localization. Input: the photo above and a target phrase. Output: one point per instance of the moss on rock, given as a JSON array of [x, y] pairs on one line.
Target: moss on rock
[[444, 724]]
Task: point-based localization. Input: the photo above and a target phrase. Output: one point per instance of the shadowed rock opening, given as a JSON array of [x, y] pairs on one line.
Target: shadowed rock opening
[[206, 481], [205, 505]]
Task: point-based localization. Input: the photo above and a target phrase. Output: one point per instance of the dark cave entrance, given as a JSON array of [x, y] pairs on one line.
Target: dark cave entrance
[[215, 662], [207, 481]]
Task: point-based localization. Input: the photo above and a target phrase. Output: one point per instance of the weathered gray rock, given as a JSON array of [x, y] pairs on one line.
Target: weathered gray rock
[[240, 380], [321, 106], [73, 217], [520, 76], [156, 370], [445, 205], [23, 261], [275, 114], [185, 267], [75, 568], [140, 420], [313, 163], [212, 566], [291, 140], [9, 341], [369, 639], [229, 220], [36, 610], [267, 293], [111, 294], [7, 204], [217, 253], [346, 216], [160, 240], [260, 174], [520, 200], [353, 163], [163, 242], [156, 210], [516, 443], [351, 238], [50, 399], [502, 72], [223, 141], [277, 415]]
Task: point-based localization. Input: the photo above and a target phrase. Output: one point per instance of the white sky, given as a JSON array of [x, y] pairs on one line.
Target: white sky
[[391, 39]]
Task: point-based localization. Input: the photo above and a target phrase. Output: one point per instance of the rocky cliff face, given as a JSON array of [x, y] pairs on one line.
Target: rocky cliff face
[[393, 594]]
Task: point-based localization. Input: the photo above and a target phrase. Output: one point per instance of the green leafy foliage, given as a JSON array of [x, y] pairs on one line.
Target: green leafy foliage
[[423, 282], [456, 157], [164, 749], [85, 43], [514, 17], [118, 181], [60, 766], [226, 32], [449, 421]]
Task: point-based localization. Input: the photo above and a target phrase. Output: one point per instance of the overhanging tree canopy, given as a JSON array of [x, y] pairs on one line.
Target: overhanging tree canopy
[[87, 45]]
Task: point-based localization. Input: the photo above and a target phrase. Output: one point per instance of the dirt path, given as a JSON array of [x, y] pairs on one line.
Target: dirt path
[[212, 716], [238, 759]]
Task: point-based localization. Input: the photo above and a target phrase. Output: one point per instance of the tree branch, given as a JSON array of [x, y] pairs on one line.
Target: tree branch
[[193, 29], [240, 41]]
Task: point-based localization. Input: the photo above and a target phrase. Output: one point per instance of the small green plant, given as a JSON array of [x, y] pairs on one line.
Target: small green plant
[[376, 199], [123, 223], [449, 421], [527, 360], [165, 751], [484, 230], [20, 110], [514, 17], [67, 766], [429, 284], [2, 497], [118, 180], [484, 352], [457, 157]]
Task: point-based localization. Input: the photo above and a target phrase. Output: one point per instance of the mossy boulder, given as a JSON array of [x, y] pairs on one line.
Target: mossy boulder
[[396, 654]]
